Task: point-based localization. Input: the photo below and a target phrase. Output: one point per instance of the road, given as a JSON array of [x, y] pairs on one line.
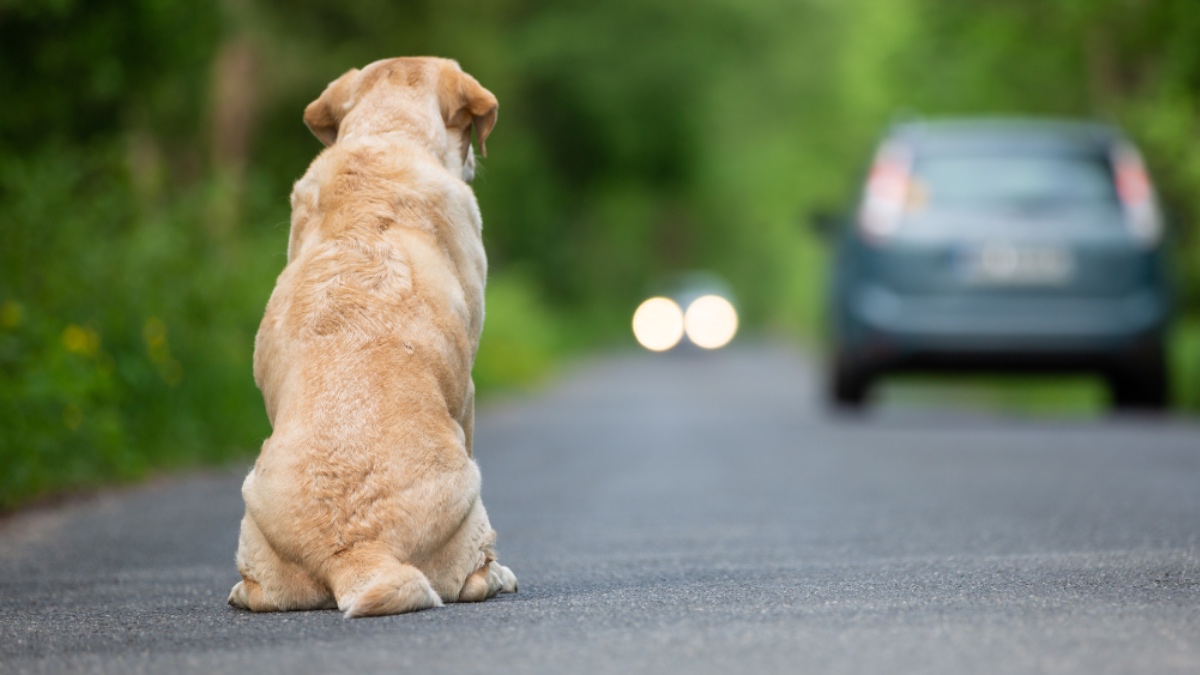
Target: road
[[685, 513]]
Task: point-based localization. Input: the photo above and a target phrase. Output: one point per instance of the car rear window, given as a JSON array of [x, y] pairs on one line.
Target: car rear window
[[1011, 181]]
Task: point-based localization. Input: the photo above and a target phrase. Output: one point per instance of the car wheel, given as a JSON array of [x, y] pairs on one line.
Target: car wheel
[[1141, 382], [849, 383]]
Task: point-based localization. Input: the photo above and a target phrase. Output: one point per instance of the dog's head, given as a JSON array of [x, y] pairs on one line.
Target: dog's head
[[428, 98]]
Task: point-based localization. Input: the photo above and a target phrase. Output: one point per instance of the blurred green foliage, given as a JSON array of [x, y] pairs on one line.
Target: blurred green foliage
[[147, 150]]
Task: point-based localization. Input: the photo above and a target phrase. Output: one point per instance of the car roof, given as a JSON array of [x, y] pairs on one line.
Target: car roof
[[1042, 135]]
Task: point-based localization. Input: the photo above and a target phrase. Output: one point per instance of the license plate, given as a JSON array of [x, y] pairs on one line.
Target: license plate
[[1011, 264]]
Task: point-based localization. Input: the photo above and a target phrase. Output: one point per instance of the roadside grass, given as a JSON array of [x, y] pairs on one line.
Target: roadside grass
[[1185, 365], [1073, 396]]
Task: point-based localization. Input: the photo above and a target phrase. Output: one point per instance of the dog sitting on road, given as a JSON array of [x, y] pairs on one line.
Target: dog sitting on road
[[366, 496]]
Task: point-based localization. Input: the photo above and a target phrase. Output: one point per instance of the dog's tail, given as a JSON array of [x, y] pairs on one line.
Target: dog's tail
[[378, 584]]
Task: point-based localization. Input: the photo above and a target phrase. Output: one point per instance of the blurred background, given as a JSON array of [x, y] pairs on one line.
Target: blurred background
[[147, 149]]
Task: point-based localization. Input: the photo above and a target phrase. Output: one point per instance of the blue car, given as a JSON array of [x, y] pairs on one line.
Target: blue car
[[1003, 245]]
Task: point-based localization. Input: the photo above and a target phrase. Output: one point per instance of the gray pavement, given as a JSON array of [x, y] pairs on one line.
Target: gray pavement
[[686, 513]]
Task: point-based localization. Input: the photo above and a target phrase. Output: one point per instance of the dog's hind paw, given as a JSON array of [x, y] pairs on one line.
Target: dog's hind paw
[[486, 582], [507, 580]]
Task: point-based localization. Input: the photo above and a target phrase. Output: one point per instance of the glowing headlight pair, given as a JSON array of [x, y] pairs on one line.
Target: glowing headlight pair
[[710, 322]]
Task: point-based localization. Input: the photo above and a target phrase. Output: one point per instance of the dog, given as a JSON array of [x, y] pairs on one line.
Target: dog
[[366, 496]]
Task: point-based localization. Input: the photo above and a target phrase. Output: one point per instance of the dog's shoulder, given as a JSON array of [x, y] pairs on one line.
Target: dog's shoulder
[[364, 215], [380, 183]]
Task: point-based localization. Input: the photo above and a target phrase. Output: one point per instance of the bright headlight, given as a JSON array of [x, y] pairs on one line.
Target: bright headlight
[[658, 324], [711, 321]]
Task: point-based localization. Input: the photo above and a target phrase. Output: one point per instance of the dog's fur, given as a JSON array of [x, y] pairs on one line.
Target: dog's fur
[[366, 496]]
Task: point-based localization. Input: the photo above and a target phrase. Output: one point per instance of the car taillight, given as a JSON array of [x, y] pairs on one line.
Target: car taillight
[[1136, 193], [886, 192]]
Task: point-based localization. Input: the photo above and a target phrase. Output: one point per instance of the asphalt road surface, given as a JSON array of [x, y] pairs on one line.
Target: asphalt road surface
[[692, 514]]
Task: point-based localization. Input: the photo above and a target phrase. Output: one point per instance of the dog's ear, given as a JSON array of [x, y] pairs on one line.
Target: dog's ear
[[324, 115], [465, 104]]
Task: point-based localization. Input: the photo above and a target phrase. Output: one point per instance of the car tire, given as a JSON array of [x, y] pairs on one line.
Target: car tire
[[849, 383], [1141, 383]]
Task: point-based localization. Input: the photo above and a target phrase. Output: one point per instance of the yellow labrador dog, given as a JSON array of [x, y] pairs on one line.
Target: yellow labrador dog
[[366, 496]]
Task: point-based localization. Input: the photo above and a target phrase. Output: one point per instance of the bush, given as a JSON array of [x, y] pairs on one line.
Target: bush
[[126, 329], [521, 336]]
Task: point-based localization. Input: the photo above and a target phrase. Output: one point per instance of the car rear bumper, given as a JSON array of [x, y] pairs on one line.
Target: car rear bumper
[[972, 331]]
